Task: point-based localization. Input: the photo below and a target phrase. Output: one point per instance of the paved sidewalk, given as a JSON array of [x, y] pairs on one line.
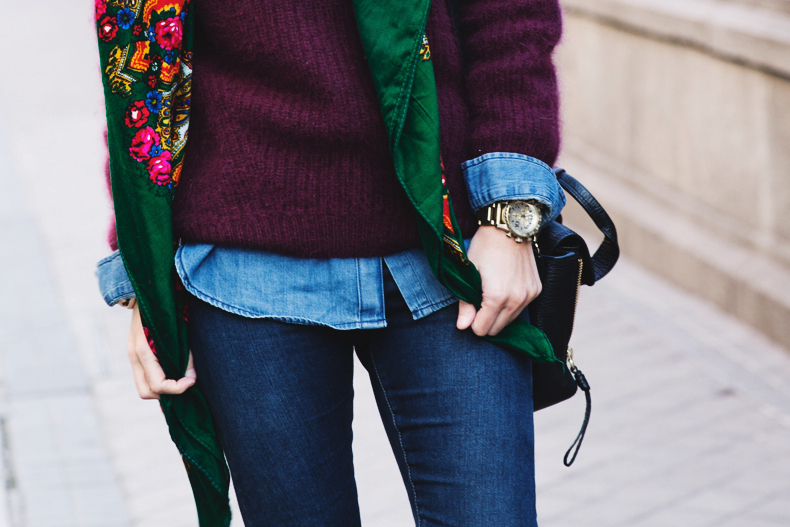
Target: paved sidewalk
[[691, 410], [691, 416]]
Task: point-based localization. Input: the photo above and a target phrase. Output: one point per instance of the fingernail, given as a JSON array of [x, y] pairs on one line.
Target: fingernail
[[191, 373]]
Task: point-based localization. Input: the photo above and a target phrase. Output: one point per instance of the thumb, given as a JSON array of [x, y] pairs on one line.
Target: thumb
[[466, 315], [190, 368]]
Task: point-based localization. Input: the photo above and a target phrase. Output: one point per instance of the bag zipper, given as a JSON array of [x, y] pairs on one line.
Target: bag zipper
[[578, 288]]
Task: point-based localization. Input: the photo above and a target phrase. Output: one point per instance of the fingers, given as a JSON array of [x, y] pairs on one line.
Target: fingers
[[500, 309], [496, 312], [507, 315], [149, 377], [466, 315], [157, 381], [190, 367], [143, 389]]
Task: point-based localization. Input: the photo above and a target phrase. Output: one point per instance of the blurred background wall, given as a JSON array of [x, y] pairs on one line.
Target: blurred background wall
[[677, 117]]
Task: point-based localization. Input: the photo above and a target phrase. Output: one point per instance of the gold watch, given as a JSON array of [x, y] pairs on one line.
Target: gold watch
[[519, 219]]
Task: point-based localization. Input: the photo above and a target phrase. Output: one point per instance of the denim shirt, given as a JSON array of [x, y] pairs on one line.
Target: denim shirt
[[342, 293]]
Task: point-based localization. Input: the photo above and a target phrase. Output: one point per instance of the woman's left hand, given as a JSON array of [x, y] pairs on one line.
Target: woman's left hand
[[510, 281]]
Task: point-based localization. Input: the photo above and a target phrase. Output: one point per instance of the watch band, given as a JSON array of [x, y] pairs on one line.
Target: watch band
[[493, 215]]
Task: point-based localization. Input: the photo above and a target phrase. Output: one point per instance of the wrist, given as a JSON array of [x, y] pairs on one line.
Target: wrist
[[496, 238]]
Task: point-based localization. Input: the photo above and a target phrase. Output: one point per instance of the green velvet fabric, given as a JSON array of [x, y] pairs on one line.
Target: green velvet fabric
[[393, 34], [145, 49]]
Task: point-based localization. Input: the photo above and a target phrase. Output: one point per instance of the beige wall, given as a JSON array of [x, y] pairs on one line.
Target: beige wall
[[687, 144]]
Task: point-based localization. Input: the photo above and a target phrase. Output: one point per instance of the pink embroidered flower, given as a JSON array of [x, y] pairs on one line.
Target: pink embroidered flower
[[108, 28], [142, 143], [101, 8], [169, 33], [137, 114], [159, 169]]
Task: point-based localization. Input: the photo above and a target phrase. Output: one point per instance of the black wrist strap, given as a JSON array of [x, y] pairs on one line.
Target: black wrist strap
[[581, 382]]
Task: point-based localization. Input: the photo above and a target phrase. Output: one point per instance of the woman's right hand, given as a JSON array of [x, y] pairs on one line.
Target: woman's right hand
[[148, 374]]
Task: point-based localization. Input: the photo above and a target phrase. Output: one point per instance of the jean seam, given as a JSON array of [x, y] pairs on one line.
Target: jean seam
[[400, 440]]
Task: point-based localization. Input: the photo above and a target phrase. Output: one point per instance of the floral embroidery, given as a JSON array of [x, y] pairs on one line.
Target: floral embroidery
[[169, 33], [101, 8], [136, 114], [125, 18], [153, 100], [108, 28], [425, 49], [150, 34], [142, 143], [159, 168], [147, 61]]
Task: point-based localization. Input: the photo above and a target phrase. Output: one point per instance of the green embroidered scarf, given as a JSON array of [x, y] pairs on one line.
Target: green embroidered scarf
[[146, 60]]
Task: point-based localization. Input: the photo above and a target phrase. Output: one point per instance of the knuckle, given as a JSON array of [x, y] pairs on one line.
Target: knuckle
[[497, 298], [517, 301], [532, 293]]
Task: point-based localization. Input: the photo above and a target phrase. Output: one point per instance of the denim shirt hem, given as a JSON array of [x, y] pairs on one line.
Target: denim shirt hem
[[367, 324], [362, 319]]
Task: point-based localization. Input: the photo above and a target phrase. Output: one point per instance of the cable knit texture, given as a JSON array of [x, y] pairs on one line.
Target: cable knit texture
[[288, 151]]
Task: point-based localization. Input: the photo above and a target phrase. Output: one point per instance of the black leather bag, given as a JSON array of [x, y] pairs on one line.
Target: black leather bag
[[564, 264]]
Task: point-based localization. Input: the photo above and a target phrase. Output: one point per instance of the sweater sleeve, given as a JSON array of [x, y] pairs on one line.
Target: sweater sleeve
[[511, 82]]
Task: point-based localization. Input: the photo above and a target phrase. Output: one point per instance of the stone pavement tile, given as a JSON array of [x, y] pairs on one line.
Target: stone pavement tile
[[60, 463], [556, 505], [726, 349], [722, 502], [686, 429], [748, 521], [776, 508], [56, 510], [152, 477], [674, 516], [614, 509], [664, 455]]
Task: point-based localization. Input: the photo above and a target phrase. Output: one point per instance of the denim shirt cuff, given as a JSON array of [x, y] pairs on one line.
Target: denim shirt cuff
[[114, 283], [502, 176]]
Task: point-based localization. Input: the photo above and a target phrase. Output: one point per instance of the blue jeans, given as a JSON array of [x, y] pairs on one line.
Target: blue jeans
[[457, 411]]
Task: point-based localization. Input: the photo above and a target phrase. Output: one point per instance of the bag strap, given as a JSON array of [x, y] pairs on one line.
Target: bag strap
[[606, 256], [581, 382]]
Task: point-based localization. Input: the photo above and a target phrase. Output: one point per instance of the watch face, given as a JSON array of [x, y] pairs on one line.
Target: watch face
[[523, 218]]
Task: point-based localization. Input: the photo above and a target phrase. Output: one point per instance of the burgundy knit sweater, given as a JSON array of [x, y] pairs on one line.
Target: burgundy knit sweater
[[288, 151]]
